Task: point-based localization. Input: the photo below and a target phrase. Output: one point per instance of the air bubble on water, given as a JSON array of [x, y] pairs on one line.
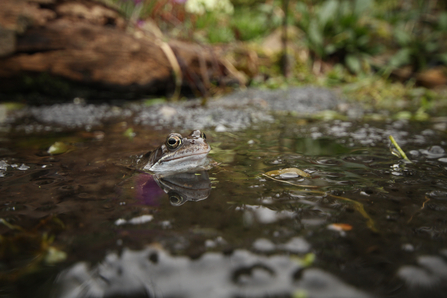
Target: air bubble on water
[[296, 245], [263, 245], [407, 247], [210, 243], [316, 135], [413, 153], [428, 132], [289, 175], [23, 167], [3, 165], [437, 194], [165, 224]]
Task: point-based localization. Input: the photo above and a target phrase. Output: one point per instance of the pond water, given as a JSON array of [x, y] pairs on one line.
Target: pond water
[[365, 223]]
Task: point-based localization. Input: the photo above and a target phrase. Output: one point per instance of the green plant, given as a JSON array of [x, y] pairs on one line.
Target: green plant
[[339, 31], [421, 38], [246, 23], [254, 22]]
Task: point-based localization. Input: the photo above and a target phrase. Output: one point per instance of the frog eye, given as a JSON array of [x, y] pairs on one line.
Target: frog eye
[[173, 141], [203, 135], [175, 199]]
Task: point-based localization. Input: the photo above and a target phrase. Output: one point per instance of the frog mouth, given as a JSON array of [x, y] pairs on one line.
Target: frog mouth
[[188, 156]]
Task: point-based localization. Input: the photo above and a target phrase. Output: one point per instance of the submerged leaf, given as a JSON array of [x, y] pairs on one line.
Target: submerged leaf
[[129, 133], [288, 171], [11, 226]]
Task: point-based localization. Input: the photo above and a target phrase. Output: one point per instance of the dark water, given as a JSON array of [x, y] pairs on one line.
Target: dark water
[[365, 224]]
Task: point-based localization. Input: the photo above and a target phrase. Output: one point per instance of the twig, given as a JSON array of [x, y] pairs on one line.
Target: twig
[[167, 50], [422, 207], [402, 153]]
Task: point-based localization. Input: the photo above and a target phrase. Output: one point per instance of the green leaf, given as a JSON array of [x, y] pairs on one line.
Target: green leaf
[[403, 37], [345, 8], [353, 63], [58, 148], [431, 46], [362, 6], [327, 12], [329, 49], [443, 58], [402, 57], [442, 21], [316, 36]]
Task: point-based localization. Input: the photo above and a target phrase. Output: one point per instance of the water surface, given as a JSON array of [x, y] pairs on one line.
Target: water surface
[[364, 224]]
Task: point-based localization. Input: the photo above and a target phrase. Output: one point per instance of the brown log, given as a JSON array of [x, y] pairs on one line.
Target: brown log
[[86, 41]]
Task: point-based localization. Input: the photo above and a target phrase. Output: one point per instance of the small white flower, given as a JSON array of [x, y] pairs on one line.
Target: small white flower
[[201, 6]]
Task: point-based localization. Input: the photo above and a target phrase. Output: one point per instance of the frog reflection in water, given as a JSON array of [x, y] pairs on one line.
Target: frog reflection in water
[[178, 154]]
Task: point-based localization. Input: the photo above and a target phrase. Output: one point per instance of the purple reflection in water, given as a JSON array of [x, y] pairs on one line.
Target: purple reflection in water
[[147, 190]]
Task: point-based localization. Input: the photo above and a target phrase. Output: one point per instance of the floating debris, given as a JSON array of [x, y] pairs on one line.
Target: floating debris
[[58, 148], [134, 221], [286, 173]]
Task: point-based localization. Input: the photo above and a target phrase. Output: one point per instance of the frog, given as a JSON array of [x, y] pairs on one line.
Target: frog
[[178, 154]]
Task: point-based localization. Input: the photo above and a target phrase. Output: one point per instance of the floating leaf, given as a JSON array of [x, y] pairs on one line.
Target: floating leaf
[[58, 148], [129, 133], [288, 171], [291, 183], [340, 227]]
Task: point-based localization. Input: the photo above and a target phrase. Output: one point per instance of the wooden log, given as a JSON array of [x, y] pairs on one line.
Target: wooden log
[[86, 41]]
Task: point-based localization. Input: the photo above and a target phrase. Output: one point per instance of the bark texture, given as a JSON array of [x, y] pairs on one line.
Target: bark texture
[[89, 42]]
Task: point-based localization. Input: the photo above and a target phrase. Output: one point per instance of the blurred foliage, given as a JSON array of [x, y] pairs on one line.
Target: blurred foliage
[[356, 46], [246, 23], [420, 37], [340, 31]]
